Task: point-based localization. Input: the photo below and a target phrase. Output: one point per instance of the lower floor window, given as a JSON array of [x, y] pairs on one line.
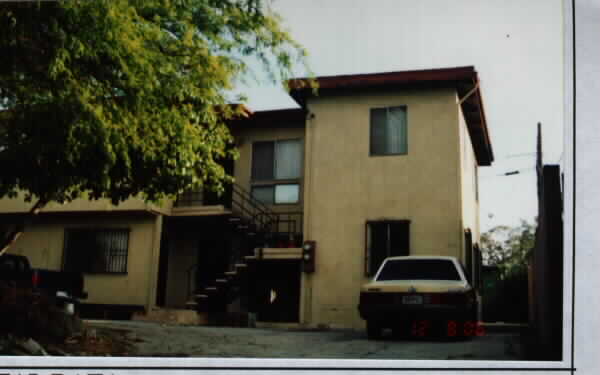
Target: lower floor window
[[96, 250], [385, 238], [277, 194]]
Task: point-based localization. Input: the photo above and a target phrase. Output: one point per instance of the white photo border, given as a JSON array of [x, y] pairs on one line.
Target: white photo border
[[581, 164]]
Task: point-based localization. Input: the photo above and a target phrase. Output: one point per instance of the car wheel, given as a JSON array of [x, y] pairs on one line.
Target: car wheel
[[400, 331], [468, 327], [373, 330]]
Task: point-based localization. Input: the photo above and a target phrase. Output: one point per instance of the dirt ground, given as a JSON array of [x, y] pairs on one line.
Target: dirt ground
[[155, 339]]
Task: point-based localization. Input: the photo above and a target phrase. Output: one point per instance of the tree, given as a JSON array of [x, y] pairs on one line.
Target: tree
[[508, 247], [120, 98]]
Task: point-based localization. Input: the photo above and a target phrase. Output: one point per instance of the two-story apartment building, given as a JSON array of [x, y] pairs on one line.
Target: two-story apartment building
[[373, 165]]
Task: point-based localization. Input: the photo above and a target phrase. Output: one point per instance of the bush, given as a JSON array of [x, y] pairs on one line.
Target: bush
[[25, 313]]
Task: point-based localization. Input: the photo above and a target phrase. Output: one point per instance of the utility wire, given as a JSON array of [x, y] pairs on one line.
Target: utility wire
[[510, 173], [519, 155]]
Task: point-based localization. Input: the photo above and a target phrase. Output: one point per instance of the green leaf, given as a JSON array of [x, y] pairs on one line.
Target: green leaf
[[120, 98]]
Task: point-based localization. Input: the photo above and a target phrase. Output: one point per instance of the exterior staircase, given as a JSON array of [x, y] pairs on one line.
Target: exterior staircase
[[257, 227]]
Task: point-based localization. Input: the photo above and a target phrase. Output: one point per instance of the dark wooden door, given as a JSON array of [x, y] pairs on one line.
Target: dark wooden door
[[277, 291]]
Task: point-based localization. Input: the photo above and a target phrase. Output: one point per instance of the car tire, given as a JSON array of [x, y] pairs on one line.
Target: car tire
[[373, 330], [468, 326]]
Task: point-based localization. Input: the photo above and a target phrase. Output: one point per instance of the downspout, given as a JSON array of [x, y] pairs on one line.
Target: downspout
[[307, 287], [154, 258], [471, 92], [461, 224]]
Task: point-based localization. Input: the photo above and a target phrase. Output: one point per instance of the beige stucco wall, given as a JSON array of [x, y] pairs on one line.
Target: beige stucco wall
[[43, 244], [8, 205], [470, 203], [345, 187]]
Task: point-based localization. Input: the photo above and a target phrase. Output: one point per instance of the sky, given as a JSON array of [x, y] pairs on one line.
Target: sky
[[516, 47]]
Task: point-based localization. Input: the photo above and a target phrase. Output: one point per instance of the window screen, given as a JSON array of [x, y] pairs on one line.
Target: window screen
[[273, 162], [277, 194], [263, 157], [264, 194], [287, 159], [388, 131], [287, 194], [276, 160]]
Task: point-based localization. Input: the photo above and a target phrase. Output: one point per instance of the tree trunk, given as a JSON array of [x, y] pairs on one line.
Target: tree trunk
[[13, 235]]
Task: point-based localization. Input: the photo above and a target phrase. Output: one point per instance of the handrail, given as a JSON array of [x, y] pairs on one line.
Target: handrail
[[260, 215], [257, 211], [189, 198], [283, 229]]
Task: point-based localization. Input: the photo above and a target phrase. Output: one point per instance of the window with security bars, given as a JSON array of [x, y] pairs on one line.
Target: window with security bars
[[96, 250], [388, 131], [385, 238]]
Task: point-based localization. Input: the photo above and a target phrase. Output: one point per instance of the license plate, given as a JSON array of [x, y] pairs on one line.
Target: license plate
[[412, 300]]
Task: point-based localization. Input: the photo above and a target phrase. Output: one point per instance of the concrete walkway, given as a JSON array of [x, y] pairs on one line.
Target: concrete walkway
[[155, 339]]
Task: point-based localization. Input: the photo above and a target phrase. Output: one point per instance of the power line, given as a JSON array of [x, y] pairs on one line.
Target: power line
[[510, 173], [519, 155]]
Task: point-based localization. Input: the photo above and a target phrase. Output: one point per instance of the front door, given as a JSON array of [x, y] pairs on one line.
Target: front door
[[277, 293]]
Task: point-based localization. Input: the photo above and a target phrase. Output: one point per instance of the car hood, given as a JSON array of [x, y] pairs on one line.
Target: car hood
[[417, 286]]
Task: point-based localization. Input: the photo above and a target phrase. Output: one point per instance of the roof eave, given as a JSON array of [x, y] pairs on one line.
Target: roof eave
[[463, 79]]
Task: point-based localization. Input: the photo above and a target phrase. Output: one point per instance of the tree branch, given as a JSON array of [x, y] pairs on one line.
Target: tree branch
[[12, 237]]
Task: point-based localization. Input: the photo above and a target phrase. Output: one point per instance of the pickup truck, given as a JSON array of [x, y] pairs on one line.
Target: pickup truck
[[67, 287], [420, 294]]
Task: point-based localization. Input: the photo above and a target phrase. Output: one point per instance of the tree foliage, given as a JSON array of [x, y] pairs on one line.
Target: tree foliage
[[508, 247], [119, 98]]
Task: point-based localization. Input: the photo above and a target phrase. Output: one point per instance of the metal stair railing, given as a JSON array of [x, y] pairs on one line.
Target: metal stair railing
[[190, 198], [265, 221], [251, 208]]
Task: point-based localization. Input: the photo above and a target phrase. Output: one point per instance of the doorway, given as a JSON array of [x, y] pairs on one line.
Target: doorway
[[277, 291]]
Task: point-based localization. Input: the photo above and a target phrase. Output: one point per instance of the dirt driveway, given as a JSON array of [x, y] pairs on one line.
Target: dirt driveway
[[155, 339]]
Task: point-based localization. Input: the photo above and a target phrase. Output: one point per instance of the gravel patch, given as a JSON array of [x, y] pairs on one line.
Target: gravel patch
[[155, 339]]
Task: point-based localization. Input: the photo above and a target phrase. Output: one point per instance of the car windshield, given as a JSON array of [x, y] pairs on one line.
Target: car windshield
[[419, 269]]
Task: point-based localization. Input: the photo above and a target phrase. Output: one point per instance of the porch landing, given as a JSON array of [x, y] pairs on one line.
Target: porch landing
[[200, 210], [171, 316]]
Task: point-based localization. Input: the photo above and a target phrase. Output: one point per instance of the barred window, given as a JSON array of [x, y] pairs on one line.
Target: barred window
[[96, 250]]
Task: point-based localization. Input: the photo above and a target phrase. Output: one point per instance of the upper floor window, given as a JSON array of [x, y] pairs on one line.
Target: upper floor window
[[276, 167], [388, 131]]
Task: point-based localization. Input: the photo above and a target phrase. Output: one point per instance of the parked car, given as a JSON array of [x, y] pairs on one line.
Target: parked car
[[65, 286], [418, 294]]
